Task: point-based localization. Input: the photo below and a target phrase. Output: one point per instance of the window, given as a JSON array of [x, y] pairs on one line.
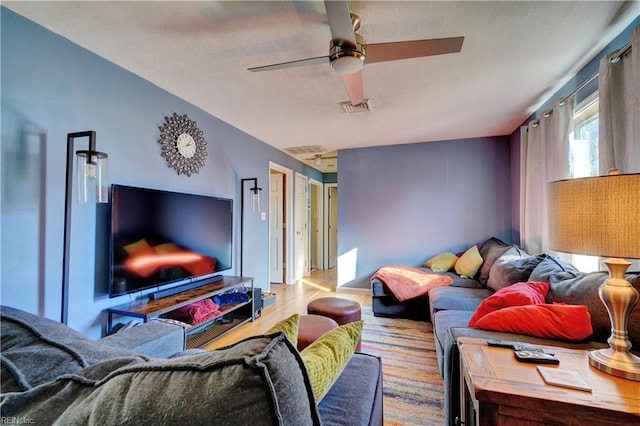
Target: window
[[583, 160], [583, 145]]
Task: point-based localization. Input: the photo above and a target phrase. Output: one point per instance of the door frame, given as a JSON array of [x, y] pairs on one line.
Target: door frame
[[320, 212], [289, 228], [325, 222]]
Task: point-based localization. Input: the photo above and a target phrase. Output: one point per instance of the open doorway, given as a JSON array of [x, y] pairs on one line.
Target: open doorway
[[323, 245]]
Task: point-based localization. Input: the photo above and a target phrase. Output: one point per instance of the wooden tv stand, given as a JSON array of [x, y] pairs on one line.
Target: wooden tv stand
[[201, 334]]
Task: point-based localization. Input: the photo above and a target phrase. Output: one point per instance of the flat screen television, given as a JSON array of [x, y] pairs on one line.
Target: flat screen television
[[159, 238]]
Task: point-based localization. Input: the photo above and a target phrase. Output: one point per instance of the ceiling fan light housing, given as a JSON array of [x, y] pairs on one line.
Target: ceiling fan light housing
[[346, 59], [348, 62]]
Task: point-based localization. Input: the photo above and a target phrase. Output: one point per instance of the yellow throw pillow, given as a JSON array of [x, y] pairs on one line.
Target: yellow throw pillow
[[469, 263], [138, 248], [326, 358], [290, 328], [442, 262]]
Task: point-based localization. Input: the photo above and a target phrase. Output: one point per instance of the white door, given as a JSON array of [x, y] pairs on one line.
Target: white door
[[276, 227], [333, 226], [301, 226]]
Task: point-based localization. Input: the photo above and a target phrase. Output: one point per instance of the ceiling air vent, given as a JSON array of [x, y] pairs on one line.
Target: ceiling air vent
[[304, 150], [350, 108]]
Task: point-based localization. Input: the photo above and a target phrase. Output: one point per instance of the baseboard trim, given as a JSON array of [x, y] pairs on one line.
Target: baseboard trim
[[354, 290]]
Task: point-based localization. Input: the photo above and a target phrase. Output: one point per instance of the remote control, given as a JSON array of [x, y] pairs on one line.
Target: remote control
[[536, 357], [516, 346]]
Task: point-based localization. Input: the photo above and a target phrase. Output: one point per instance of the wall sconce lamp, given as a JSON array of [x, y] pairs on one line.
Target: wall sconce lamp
[[91, 173], [600, 216], [255, 205]]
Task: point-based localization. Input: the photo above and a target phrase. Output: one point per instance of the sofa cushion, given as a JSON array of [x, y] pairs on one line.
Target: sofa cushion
[[260, 380], [442, 322], [36, 350], [326, 358], [553, 269], [513, 266], [490, 250], [469, 263], [442, 262], [527, 293], [456, 298], [555, 321], [583, 290], [364, 374]]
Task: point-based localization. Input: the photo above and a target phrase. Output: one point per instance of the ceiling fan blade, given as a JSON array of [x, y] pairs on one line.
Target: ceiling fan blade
[[340, 22], [392, 51], [292, 64], [353, 84]]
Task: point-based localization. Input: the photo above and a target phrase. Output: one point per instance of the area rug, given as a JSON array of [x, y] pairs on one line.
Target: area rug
[[413, 388]]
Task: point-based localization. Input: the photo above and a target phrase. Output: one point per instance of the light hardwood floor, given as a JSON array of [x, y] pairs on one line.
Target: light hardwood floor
[[290, 299]]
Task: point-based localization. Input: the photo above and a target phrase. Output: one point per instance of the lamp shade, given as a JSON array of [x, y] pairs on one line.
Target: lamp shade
[[597, 216]]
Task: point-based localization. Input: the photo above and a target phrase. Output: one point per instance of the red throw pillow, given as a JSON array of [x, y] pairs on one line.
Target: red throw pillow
[[553, 321], [517, 294]]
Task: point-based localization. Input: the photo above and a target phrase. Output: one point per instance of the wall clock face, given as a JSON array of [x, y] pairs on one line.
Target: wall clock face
[[183, 144]]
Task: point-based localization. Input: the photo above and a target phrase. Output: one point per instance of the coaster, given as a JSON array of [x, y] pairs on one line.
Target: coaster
[[565, 378]]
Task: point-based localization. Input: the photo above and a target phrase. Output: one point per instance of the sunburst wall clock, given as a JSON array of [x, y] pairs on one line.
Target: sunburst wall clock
[[183, 144]]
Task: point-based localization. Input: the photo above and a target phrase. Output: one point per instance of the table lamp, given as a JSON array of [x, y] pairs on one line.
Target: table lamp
[[600, 216]]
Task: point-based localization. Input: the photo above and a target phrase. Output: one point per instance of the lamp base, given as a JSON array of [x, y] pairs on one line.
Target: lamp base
[[619, 297], [619, 364]]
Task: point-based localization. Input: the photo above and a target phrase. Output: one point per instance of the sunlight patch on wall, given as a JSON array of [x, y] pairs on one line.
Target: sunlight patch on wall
[[347, 263]]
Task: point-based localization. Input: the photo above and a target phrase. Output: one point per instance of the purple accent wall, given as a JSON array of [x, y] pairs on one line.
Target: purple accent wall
[[403, 204]]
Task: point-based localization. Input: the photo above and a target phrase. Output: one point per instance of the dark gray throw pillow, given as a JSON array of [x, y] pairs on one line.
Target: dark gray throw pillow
[[553, 269], [36, 350], [258, 381], [514, 266], [583, 290], [490, 250]]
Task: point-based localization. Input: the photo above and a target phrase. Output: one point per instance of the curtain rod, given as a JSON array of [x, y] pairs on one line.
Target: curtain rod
[[620, 53], [613, 59], [564, 100]]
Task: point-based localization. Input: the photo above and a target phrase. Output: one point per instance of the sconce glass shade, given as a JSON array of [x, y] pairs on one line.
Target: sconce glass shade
[[91, 170]]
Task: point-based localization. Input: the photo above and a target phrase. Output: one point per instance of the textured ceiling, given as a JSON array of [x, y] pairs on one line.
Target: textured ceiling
[[515, 56]]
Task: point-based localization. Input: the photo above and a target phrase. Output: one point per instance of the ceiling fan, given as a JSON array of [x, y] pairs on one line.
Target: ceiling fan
[[348, 51]]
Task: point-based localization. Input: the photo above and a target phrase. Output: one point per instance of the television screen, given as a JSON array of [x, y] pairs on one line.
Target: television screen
[[160, 237]]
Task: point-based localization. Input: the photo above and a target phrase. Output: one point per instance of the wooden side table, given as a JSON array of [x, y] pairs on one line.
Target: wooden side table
[[496, 389]]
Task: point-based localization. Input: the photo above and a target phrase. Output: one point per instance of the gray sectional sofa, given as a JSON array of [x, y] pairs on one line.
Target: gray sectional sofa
[[450, 308], [52, 374]]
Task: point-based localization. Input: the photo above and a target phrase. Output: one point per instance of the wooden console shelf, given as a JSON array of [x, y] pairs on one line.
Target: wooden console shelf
[[201, 334]]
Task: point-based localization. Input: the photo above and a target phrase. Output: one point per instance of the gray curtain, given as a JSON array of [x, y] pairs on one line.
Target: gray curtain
[[619, 93], [545, 158]]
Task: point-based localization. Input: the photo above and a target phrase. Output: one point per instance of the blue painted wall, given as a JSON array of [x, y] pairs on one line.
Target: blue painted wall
[[403, 204], [51, 87]]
